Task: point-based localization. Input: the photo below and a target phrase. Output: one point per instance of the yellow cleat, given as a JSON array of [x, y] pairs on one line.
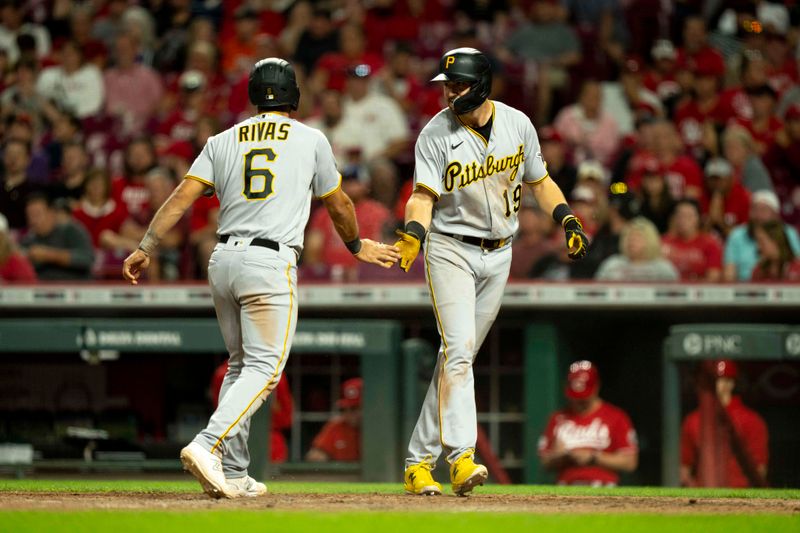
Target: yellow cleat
[[465, 475], [419, 481]]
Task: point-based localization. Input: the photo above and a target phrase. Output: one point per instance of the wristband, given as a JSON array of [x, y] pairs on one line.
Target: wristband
[[149, 243], [417, 230], [561, 212], [354, 246]]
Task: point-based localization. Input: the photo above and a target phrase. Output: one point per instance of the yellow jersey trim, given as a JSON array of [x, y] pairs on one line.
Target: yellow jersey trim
[[444, 350], [536, 182], [422, 185], [201, 180], [272, 381], [474, 131], [330, 192]]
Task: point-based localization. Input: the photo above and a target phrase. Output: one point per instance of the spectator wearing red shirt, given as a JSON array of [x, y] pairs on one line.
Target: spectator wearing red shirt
[[753, 74], [96, 210], [102, 216], [696, 50], [129, 189], [695, 253], [682, 173], [590, 441], [340, 438], [746, 425], [705, 108], [323, 250], [281, 408], [777, 261], [781, 63], [14, 267], [192, 105], [166, 265], [661, 78], [330, 71], [764, 125], [726, 203]]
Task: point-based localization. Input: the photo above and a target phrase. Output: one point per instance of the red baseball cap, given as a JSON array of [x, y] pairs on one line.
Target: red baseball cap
[[351, 393], [583, 380], [646, 163], [725, 368]]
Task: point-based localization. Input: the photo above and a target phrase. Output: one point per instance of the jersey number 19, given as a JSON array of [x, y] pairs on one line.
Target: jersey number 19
[[516, 197]]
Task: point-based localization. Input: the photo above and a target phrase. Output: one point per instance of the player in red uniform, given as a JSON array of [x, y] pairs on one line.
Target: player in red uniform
[[748, 427], [590, 441], [340, 438]]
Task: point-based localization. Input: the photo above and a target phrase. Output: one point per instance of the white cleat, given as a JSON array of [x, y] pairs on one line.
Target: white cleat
[[207, 468], [246, 487]]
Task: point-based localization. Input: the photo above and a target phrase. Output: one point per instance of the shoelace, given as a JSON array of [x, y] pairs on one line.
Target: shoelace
[[427, 463], [467, 454]]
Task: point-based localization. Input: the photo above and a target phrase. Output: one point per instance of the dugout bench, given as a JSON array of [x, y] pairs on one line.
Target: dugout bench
[[377, 342]]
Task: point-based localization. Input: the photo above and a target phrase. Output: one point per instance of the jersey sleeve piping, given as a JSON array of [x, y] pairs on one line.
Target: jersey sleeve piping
[[422, 185], [537, 181], [330, 192], [201, 180]]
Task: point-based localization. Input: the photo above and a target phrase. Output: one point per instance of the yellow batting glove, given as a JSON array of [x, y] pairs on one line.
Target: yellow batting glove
[[409, 249]]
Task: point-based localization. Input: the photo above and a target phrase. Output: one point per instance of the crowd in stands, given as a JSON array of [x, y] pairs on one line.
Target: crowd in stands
[[672, 127]]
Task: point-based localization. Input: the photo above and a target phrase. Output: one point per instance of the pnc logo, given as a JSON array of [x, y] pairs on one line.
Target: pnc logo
[[449, 61]]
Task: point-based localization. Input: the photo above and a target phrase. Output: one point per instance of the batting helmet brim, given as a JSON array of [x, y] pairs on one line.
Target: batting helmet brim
[[441, 77]]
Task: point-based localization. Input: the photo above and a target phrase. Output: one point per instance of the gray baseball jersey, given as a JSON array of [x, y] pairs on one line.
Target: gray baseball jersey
[[264, 171], [478, 183]]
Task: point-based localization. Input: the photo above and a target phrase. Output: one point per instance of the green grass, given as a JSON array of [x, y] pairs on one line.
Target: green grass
[[286, 522], [365, 521], [284, 487]]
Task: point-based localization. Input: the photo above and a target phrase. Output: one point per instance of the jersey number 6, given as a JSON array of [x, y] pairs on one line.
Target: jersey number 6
[[516, 197], [258, 180]]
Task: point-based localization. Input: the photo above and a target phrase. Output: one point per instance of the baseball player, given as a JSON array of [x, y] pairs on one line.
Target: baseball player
[[264, 171], [472, 160]]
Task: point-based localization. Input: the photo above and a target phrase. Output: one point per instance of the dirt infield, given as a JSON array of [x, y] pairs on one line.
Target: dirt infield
[[66, 501]]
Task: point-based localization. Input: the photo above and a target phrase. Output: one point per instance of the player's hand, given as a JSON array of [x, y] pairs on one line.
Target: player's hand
[[378, 253], [577, 241], [408, 245], [581, 457], [134, 265]]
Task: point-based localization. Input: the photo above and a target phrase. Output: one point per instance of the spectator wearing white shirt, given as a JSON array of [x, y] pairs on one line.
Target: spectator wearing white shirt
[[73, 85], [373, 125]]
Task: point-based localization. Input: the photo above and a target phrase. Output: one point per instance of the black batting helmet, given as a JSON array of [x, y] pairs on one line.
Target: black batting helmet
[[273, 84], [471, 66]]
